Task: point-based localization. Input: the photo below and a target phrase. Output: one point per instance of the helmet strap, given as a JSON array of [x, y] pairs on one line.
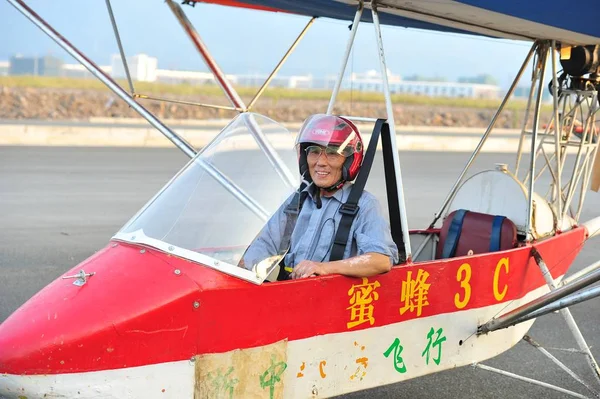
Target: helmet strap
[[336, 186], [318, 198]]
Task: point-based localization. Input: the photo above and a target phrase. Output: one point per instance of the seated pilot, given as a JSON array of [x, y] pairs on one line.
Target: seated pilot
[[330, 149]]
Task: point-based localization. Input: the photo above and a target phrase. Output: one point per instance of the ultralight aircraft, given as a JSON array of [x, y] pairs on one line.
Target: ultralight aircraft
[[175, 316]]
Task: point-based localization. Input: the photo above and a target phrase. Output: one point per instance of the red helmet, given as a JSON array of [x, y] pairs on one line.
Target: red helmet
[[327, 130]]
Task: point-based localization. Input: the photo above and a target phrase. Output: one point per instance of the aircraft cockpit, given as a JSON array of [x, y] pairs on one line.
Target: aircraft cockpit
[[216, 205]]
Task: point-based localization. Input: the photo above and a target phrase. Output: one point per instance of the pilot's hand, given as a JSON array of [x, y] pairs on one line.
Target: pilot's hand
[[308, 268]]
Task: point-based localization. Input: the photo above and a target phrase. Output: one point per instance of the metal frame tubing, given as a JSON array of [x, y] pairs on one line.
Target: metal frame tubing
[[557, 134], [121, 51], [543, 56], [168, 100], [529, 380], [102, 76], [485, 136], [560, 364], [228, 89], [359, 118], [349, 45], [280, 64], [576, 175], [561, 304], [534, 80], [590, 155], [581, 273], [567, 301], [422, 245], [118, 90], [274, 158], [394, 139], [512, 317]]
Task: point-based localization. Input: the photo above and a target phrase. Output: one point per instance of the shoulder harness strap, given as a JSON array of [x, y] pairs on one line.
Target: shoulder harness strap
[[350, 208]]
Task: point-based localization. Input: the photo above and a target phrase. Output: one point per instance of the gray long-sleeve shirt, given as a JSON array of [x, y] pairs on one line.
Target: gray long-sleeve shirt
[[312, 238]]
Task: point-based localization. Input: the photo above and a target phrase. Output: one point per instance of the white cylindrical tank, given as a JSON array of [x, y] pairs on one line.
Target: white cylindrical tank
[[499, 192]]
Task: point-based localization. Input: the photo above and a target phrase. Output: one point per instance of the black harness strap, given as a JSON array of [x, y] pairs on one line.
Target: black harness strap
[[350, 208], [392, 191], [292, 210]]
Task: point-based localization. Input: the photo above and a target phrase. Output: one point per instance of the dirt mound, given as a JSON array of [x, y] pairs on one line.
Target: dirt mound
[[62, 104]]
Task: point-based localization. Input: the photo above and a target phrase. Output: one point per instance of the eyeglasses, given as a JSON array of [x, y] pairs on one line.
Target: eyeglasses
[[315, 151]]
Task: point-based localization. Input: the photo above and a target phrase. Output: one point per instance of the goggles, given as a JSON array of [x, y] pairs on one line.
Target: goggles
[[315, 151]]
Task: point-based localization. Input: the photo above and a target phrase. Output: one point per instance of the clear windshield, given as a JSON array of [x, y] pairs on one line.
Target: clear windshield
[[212, 210]]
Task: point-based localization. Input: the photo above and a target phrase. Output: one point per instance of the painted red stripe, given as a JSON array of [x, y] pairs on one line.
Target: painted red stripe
[[136, 310], [240, 4], [301, 309]]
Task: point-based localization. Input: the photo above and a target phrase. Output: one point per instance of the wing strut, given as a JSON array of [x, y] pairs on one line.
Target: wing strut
[[392, 124], [153, 120], [521, 313], [338, 82], [230, 92], [477, 150], [103, 77], [121, 51], [280, 64], [389, 111], [559, 298]]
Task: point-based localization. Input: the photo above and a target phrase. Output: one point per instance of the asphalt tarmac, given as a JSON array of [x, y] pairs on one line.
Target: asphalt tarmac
[[59, 205]]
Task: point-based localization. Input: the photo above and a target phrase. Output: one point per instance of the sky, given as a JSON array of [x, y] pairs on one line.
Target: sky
[[248, 41]]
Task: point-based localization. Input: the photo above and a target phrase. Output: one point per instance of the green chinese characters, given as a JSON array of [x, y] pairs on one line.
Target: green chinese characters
[[433, 350], [271, 376]]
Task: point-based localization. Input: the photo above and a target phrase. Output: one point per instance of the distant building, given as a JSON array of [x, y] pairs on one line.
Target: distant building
[[421, 78], [371, 81], [19, 65], [79, 71], [4, 66], [286, 82], [142, 67], [145, 69], [36, 66], [447, 89], [522, 93], [188, 77], [51, 66], [481, 79]]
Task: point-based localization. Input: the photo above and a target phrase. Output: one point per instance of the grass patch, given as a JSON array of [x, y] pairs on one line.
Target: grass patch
[[47, 82]]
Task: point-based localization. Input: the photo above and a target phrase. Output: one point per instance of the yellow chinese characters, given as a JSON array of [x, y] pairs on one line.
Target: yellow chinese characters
[[361, 302], [414, 292]]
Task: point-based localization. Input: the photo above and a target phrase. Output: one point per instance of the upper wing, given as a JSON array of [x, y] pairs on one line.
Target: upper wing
[[572, 22]]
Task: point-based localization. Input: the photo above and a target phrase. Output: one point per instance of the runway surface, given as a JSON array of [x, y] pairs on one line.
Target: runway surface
[[59, 205]]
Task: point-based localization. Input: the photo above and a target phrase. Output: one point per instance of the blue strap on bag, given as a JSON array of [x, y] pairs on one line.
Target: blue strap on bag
[[496, 233], [454, 234]]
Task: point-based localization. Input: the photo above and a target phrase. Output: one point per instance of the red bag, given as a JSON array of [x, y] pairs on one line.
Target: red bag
[[464, 231]]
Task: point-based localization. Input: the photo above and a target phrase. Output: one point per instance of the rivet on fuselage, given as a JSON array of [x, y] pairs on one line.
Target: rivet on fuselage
[[171, 248], [142, 251], [196, 305], [177, 272], [315, 392]]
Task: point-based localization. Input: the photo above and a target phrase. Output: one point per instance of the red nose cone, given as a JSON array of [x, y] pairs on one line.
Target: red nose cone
[[138, 308]]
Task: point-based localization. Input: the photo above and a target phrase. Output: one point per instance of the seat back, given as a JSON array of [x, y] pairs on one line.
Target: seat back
[[466, 233]]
